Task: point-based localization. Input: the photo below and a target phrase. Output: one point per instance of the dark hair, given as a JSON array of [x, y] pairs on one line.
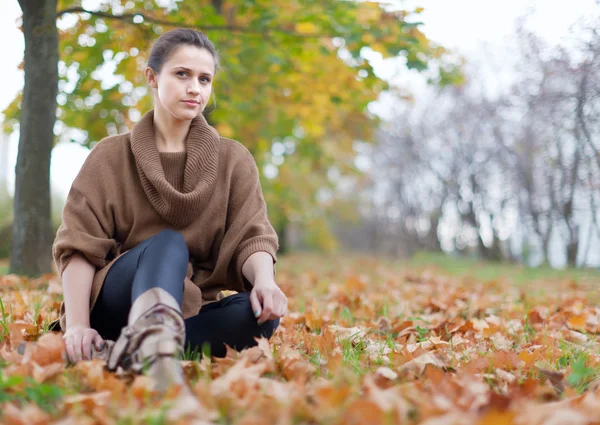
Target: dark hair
[[170, 41]]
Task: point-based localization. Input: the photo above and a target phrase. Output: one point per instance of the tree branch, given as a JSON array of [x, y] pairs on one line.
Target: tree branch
[[129, 17]]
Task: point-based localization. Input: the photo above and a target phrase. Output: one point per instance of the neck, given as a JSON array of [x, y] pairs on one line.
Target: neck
[[170, 133]]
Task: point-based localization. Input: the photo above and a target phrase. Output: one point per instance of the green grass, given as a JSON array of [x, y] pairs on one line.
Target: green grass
[[23, 390], [576, 361], [463, 266], [4, 331], [460, 266]]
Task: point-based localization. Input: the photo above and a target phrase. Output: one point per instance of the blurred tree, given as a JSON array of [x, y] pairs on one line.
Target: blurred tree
[[32, 227], [294, 87], [511, 176]]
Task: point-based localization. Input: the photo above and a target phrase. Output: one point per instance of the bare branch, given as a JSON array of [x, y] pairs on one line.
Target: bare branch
[[129, 18]]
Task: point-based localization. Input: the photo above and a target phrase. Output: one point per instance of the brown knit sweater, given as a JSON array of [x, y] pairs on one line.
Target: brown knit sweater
[[128, 191]]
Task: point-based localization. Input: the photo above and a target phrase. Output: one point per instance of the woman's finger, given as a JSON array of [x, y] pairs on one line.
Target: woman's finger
[[77, 353], [281, 311], [86, 345], [267, 308], [280, 308], [98, 342], [255, 303], [69, 347]]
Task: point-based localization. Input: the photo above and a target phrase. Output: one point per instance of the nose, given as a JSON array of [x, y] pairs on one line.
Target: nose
[[194, 88]]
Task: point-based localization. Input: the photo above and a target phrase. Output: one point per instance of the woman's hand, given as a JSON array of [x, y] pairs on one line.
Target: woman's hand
[[78, 341], [268, 301]]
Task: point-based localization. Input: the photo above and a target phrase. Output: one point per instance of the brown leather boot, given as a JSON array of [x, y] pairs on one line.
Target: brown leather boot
[[104, 352], [153, 339]]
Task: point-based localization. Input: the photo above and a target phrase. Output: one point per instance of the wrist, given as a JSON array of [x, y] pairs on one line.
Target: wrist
[[264, 281], [77, 324], [258, 267]]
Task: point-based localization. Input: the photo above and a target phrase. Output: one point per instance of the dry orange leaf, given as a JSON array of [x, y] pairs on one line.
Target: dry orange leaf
[[31, 414], [19, 332], [577, 321], [312, 318], [495, 417], [361, 412], [416, 367], [480, 354]]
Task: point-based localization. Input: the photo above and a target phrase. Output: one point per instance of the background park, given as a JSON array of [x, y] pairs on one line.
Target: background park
[[432, 170]]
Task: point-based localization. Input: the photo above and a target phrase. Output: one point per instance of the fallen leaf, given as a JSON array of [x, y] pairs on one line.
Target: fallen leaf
[[494, 417], [416, 367], [361, 412]]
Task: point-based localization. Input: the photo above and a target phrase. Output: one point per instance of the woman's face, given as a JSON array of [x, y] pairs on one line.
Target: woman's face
[[184, 84]]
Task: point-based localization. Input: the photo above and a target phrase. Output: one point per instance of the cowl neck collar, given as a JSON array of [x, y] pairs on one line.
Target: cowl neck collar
[[200, 175]]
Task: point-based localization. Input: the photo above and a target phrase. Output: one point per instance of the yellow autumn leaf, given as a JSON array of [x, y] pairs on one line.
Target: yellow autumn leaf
[[225, 129], [577, 321], [368, 38], [306, 28], [495, 417], [357, 332]]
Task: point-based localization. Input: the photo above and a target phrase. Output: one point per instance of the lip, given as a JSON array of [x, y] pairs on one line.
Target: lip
[[191, 102]]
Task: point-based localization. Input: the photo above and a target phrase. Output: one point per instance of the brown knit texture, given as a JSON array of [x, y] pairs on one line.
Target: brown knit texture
[[173, 164], [127, 191], [178, 208]]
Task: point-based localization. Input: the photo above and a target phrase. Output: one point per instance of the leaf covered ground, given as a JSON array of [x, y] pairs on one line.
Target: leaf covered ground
[[366, 342]]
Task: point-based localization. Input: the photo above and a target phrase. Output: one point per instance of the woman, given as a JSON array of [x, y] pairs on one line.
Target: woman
[[159, 221]]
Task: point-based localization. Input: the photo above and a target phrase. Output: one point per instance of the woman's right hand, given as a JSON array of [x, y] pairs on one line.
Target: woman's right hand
[[78, 341]]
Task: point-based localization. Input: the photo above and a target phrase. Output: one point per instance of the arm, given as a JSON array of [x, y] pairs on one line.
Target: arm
[[248, 230], [77, 285], [267, 299], [88, 225], [258, 267], [255, 240], [82, 243]]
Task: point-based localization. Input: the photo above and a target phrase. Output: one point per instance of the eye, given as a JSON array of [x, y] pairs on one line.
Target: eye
[[182, 72], [205, 80]]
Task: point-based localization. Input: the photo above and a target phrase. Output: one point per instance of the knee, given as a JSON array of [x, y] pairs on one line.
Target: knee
[[265, 329], [268, 328], [169, 237], [241, 308], [172, 242]]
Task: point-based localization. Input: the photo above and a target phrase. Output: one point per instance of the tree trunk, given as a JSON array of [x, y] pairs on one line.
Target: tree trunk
[[432, 241], [572, 250], [32, 228]]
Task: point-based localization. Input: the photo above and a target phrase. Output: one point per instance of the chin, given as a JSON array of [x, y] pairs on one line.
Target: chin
[[186, 115]]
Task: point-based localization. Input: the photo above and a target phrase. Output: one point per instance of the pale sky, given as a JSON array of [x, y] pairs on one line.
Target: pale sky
[[462, 25]]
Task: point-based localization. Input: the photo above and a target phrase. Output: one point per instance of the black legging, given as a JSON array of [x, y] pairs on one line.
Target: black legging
[[161, 261]]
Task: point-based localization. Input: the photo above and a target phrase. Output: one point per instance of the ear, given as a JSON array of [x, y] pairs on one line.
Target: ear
[[151, 77]]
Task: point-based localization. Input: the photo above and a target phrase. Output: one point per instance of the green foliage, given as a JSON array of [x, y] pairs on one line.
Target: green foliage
[[195, 354], [353, 349], [422, 333], [25, 390], [4, 316], [581, 375], [294, 85]]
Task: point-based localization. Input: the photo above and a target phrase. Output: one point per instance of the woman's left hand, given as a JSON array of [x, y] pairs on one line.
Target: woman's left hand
[[268, 301]]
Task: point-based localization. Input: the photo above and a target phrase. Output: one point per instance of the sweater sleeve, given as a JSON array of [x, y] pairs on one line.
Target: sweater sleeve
[[87, 220], [247, 216]]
